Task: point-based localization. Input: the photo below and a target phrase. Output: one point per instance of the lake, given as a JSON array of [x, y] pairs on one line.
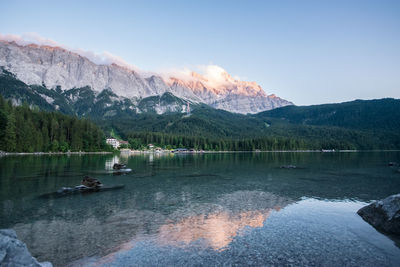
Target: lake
[[202, 209]]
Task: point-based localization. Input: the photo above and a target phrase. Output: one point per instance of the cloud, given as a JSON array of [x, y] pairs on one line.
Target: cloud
[[104, 58], [212, 75], [29, 38]]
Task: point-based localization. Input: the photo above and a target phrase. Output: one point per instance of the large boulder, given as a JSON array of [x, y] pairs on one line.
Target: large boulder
[[14, 253], [384, 214]]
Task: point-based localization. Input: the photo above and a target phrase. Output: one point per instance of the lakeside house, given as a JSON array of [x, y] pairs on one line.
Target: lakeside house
[[116, 143]]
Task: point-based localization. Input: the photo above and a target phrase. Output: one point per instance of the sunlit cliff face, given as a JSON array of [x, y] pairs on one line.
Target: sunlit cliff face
[[209, 78], [214, 79], [217, 230]]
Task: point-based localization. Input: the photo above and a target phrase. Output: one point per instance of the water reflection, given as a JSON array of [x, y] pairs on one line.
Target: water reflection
[[216, 224], [217, 230], [102, 228], [111, 161], [310, 232], [175, 201]]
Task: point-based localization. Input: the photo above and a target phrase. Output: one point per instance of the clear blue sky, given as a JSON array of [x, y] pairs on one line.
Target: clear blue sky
[[309, 52]]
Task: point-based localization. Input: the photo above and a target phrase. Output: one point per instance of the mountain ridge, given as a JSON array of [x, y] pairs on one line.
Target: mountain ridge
[[357, 114], [84, 101], [311, 127], [59, 67]]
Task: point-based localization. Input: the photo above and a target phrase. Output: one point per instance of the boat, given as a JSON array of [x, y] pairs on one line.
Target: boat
[[118, 166]]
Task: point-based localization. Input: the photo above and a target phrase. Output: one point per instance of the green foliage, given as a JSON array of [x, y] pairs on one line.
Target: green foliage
[[9, 142], [139, 140], [372, 124], [12, 88], [25, 130], [123, 146], [113, 134], [208, 127], [382, 114]]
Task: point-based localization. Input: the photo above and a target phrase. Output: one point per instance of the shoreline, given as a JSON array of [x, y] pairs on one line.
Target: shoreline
[[183, 153], [254, 151], [50, 153]]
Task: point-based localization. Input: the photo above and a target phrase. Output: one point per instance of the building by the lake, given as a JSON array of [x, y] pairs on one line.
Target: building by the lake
[[114, 142]]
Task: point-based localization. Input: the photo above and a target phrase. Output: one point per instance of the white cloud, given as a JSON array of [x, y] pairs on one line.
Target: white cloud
[[212, 75], [29, 38]]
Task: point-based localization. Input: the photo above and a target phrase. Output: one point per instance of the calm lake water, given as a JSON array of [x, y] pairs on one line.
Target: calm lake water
[[209, 209]]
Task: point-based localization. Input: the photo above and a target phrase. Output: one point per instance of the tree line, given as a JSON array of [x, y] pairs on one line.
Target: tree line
[[140, 140], [23, 129], [26, 129]]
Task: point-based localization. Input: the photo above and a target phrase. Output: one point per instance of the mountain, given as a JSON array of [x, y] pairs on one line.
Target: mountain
[[377, 114], [133, 104], [57, 68], [85, 102], [283, 126], [370, 124], [222, 91]]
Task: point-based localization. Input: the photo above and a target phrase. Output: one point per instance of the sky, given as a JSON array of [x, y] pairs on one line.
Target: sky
[[308, 52]]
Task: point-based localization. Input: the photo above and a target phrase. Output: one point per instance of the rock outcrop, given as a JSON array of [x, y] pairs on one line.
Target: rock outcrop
[[384, 214], [14, 253]]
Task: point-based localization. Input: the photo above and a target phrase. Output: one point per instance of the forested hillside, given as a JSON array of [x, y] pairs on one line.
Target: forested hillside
[[25, 130], [378, 114], [360, 124], [202, 133], [203, 121]]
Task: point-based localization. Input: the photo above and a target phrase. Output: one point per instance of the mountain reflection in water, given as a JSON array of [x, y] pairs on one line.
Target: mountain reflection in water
[[217, 229], [220, 222], [209, 209]]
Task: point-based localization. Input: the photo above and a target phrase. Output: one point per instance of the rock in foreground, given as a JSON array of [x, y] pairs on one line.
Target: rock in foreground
[[384, 214], [14, 252]]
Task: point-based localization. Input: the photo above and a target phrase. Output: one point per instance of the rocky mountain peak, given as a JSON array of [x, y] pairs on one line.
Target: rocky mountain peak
[[57, 67]]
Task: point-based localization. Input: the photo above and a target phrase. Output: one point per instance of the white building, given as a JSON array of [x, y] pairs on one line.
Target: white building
[[114, 142]]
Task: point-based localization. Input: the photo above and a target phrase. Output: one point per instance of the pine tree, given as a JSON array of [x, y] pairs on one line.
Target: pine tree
[[3, 125], [9, 141]]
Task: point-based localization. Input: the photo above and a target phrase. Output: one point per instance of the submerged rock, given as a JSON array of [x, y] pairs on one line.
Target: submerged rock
[[14, 252], [384, 214]]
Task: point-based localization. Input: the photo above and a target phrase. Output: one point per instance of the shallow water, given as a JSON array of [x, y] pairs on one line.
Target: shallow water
[[208, 209]]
